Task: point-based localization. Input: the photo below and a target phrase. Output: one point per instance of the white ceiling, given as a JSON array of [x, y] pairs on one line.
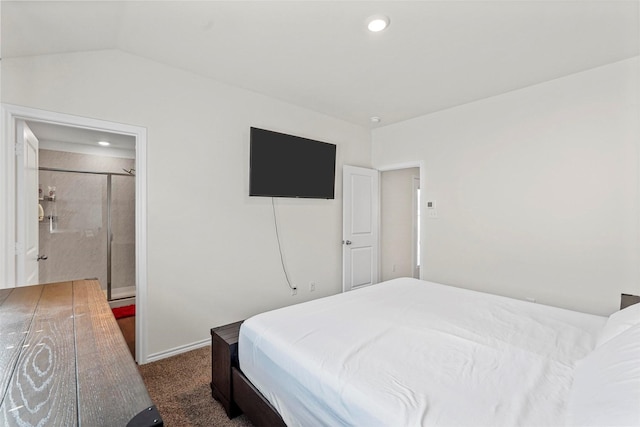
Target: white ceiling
[[319, 55], [52, 133]]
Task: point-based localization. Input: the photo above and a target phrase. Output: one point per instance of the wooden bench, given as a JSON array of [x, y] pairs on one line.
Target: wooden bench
[[64, 362]]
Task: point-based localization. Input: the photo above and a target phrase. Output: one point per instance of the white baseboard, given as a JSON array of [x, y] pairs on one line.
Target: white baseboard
[[177, 350], [122, 302], [123, 292]]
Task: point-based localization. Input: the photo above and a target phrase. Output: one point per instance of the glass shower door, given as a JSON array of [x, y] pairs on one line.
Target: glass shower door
[[73, 231], [123, 234]]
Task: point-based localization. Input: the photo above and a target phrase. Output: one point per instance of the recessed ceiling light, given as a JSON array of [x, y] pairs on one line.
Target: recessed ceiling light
[[104, 143], [375, 119], [377, 23]]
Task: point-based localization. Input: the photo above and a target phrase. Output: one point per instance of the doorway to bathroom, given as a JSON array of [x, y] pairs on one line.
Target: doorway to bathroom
[[86, 196], [61, 215]]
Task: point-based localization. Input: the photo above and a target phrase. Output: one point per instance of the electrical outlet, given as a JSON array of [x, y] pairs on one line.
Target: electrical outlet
[[294, 292], [312, 286]]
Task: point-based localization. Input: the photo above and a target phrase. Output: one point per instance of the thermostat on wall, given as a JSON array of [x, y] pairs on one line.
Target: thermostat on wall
[[431, 209]]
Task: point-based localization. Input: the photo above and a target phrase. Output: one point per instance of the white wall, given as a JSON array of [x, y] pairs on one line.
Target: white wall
[[212, 254], [536, 189]]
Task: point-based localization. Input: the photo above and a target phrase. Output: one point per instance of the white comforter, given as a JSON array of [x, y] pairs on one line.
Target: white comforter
[[414, 353]]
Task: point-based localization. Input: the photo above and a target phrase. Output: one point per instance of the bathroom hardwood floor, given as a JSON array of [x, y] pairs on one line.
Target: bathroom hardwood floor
[[128, 328]]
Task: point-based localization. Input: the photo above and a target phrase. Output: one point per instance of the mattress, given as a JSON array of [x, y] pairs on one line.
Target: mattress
[[414, 353]]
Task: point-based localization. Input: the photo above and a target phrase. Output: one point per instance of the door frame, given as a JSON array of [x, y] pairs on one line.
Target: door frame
[[9, 114], [415, 197], [408, 165]]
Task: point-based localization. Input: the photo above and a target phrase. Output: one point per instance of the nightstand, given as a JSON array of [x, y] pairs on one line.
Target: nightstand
[[224, 356]]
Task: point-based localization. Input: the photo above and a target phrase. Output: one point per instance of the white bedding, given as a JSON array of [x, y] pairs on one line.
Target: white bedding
[[409, 353]]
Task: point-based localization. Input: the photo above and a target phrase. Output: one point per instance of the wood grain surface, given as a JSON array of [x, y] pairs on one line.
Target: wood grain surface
[[39, 392], [16, 313], [4, 293], [110, 389], [64, 361]]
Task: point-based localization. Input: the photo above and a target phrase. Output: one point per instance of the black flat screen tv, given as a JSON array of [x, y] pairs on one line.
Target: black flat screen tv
[[284, 165]]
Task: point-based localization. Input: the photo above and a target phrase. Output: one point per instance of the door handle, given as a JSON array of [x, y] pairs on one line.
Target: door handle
[[41, 257], [347, 242]]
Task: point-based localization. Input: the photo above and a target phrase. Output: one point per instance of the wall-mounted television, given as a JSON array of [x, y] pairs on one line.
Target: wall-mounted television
[[284, 165]]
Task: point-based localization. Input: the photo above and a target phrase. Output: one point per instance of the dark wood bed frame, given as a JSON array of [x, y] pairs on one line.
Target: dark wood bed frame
[[229, 385], [236, 393]]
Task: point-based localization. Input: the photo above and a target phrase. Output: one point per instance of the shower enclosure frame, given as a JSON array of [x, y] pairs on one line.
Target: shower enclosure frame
[[109, 175]]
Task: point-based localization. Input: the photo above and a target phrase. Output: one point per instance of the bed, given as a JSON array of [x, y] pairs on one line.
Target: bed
[[414, 353]]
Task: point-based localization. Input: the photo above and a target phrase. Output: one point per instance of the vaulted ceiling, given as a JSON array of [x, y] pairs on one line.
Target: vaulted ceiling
[[319, 54]]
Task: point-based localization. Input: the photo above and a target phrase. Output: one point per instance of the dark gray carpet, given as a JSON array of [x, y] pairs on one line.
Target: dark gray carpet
[[179, 387]]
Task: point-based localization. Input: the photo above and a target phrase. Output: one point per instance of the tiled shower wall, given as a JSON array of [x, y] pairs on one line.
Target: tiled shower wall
[[75, 241]]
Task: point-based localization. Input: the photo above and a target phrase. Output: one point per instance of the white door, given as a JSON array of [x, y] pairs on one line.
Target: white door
[[27, 205], [360, 210]]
